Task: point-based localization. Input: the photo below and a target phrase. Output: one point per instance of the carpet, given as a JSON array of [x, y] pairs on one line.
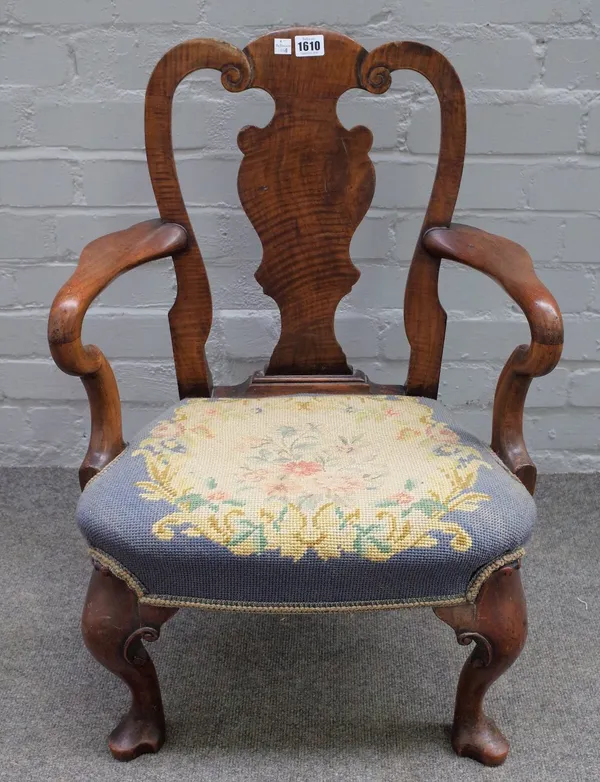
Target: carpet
[[355, 697]]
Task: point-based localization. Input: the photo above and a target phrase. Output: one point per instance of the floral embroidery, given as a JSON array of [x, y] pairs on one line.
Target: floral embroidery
[[302, 468], [373, 476]]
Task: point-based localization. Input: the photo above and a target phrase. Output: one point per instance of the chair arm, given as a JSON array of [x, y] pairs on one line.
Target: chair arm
[[101, 262], [511, 267]]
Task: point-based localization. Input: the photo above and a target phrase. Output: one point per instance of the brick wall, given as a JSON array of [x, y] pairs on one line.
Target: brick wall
[[72, 76]]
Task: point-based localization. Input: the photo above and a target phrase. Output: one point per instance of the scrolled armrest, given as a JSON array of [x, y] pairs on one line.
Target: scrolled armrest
[[101, 262], [511, 267]]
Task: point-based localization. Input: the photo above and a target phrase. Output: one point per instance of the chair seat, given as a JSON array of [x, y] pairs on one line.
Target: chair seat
[[305, 502]]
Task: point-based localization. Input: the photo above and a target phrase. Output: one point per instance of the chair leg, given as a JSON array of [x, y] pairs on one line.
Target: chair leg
[[497, 624], [114, 627]]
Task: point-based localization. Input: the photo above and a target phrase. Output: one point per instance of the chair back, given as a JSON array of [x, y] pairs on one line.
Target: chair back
[[305, 182]]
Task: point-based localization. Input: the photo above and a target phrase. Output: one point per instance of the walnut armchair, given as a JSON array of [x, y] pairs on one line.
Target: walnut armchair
[[307, 487]]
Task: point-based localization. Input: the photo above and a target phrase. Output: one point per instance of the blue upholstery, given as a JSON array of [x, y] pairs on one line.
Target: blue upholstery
[[306, 502]]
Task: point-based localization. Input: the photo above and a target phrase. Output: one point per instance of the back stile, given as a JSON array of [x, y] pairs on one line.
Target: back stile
[[424, 316], [190, 318]]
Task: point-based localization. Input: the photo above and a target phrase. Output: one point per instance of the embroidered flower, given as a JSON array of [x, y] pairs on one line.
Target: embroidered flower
[[406, 433], [203, 430], [257, 476], [403, 498], [391, 412], [167, 430], [290, 481], [443, 435], [303, 468], [215, 496]]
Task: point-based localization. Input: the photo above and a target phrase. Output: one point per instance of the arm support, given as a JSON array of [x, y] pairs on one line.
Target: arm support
[[511, 267], [101, 262]]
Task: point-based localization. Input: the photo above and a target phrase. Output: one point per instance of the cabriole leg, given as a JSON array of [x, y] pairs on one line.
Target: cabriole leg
[[114, 627], [497, 624]]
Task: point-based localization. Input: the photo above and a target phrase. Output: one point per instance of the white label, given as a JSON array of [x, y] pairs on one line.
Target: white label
[[309, 46], [283, 45]]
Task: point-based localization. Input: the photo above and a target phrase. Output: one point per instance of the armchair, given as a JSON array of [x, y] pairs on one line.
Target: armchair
[[307, 487]]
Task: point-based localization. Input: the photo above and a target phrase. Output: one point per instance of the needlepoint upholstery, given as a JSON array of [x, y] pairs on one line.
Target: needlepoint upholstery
[[305, 501]]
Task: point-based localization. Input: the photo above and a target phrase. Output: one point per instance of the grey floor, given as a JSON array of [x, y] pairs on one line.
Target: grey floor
[[338, 697]]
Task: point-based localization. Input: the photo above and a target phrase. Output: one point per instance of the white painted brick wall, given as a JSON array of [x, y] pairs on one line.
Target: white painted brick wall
[[72, 78]]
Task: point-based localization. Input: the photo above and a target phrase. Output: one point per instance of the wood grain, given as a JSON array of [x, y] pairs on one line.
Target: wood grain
[[259, 384], [305, 183], [497, 624], [510, 266], [424, 316], [114, 626], [190, 318], [101, 262]]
